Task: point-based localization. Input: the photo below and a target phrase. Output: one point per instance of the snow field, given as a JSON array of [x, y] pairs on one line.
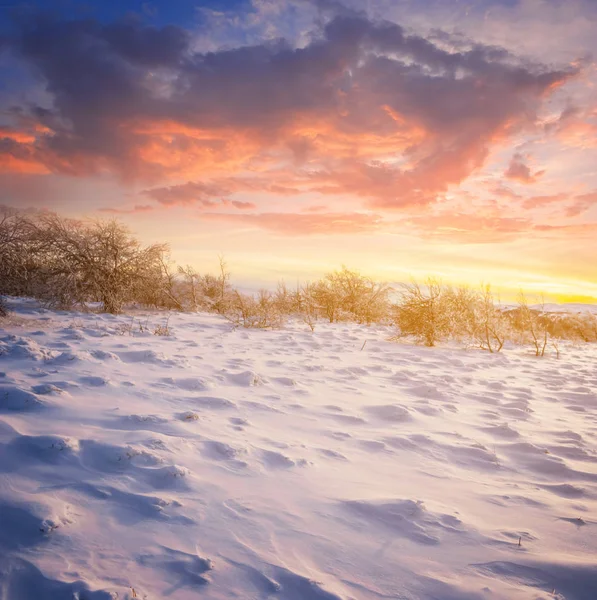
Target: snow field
[[287, 464]]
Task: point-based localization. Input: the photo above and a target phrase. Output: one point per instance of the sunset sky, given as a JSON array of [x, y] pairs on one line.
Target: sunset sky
[[400, 137]]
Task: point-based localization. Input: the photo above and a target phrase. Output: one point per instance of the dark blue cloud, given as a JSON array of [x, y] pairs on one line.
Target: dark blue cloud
[[110, 80]]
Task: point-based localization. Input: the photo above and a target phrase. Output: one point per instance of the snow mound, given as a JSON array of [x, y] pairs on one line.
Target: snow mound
[[16, 399], [406, 518], [16, 347]]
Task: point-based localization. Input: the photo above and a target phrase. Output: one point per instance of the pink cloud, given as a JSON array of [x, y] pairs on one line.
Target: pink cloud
[[519, 171], [139, 208], [364, 109], [582, 204], [304, 224]]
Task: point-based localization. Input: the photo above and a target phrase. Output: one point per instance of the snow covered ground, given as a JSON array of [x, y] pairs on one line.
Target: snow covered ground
[[214, 463]]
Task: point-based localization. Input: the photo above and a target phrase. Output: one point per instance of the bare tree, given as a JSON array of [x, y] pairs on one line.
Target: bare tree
[[307, 305], [169, 284], [475, 317], [494, 327], [532, 324], [193, 289], [16, 245], [217, 290], [96, 261], [328, 301], [284, 299]]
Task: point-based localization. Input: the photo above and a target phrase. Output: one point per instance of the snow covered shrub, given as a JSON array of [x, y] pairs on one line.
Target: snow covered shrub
[[460, 306], [284, 299], [214, 291], [575, 327], [424, 312], [531, 324], [3, 308], [99, 261], [585, 327], [220, 288], [307, 305], [434, 312], [16, 240], [163, 330], [190, 288], [492, 327], [474, 316], [258, 311], [347, 295]]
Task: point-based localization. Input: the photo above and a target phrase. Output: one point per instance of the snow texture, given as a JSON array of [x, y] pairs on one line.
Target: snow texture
[[218, 463]]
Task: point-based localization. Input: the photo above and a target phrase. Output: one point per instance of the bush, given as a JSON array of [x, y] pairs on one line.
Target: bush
[[100, 261], [435, 312], [424, 313], [258, 311], [579, 327], [347, 295], [16, 266], [3, 308], [531, 325], [67, 263], [474, 316], [492, 326]]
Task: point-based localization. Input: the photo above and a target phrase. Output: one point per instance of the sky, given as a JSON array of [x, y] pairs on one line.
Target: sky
[[402, 138]]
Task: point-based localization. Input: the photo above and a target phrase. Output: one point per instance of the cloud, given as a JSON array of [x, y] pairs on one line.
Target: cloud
[[138, 208], [191, 193], [208, 194], [582, 204], [575, 127], [240, 205], [362, 109], [533, 202], [572, 205], [580, 231], [470, 228], [519, 171], [18, 156], [301, 224]]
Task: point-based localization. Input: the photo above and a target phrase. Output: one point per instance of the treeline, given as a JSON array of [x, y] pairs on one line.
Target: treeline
[[436, 312], [71, 264]]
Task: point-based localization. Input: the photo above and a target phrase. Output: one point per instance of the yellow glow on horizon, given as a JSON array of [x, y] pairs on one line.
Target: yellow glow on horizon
[[260, 258]]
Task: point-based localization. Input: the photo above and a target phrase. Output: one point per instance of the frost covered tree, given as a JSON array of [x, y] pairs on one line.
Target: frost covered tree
[[16, 244], [258, 311], [423, 312], [532, 324], [348, 295], [492, 327], [99, 261]]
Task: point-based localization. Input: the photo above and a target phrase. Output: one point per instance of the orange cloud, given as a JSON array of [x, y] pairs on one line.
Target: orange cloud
[[22, 137], [16, 165]]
